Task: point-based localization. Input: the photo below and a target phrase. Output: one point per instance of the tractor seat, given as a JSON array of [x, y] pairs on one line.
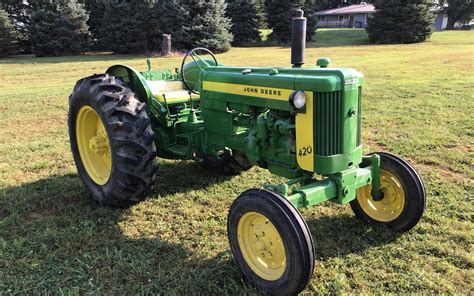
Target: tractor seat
[[173, 90]]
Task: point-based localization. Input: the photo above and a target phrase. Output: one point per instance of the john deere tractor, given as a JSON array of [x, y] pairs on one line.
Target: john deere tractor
[[303, 124]]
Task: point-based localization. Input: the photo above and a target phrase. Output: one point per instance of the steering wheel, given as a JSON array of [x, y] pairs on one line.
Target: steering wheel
[[202, 64]]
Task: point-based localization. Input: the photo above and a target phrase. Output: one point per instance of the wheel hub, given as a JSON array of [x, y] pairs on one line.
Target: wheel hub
[[261, 246], [93, 144], [390, 206], [100, 143]]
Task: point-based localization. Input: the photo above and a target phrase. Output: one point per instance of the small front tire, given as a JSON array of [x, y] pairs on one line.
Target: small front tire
[[270, 242], [404, 197]]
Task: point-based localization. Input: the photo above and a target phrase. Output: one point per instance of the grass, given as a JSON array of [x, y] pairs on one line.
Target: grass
[[418, 103], [340, 37]]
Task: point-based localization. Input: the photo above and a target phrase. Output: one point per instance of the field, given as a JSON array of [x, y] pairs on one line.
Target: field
[[418, 103]]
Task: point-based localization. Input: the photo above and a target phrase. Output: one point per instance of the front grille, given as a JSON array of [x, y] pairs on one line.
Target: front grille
[[328, 121]]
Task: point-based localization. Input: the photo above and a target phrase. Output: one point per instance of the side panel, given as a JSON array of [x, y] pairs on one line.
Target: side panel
[[268, 93], [305, 135]]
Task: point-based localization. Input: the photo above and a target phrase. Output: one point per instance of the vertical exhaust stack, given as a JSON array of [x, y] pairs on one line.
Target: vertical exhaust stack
[[298, 39]]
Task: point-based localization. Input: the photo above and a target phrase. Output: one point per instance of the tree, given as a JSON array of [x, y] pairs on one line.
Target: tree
[[207, 25], [7, 35], [281, 12], [59, 29], [168, 17], [457, 11], [246, 17], [95, 10], [124, 26], [408, 21], [20, 13]]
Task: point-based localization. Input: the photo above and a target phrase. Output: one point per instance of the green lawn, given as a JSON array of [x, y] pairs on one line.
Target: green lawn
[[418, 103]]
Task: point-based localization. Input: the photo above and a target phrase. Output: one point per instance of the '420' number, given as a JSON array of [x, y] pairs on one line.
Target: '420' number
[[305, 151]]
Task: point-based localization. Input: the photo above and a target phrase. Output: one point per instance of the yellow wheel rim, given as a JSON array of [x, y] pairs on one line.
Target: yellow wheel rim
[[392, 204], [94, 146], [261, 246]]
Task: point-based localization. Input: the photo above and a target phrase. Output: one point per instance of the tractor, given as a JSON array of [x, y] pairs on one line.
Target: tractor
[[303, 124]]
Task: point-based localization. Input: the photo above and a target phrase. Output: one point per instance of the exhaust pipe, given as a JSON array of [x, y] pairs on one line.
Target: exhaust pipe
[[298, 39]]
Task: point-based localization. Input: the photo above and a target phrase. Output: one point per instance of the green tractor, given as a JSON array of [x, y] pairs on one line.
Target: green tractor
[[303, 124]]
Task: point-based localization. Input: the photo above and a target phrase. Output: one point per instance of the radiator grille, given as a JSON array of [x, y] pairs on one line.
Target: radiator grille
[[328, 123]]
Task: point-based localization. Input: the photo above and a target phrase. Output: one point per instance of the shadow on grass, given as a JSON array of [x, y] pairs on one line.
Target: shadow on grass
[[338, 236], [52, 236]]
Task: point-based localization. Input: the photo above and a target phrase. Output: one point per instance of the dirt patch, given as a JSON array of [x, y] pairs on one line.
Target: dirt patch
[[41, 214]]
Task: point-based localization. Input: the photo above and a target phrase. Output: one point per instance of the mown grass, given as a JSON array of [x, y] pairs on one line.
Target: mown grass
[[418, 103]]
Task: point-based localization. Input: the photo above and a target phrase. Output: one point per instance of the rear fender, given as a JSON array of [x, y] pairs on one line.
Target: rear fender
[[134, 79]]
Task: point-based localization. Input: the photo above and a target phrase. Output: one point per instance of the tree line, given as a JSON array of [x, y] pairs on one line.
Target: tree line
[[59, 27]]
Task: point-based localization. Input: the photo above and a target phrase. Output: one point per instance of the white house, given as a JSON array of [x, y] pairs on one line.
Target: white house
[[355, 16]]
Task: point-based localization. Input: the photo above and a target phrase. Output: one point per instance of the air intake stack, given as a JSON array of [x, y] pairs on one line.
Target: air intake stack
[[298, 39]]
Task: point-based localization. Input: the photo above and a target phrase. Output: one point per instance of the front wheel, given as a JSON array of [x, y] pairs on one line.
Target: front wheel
[[270, 242], [404, 196]]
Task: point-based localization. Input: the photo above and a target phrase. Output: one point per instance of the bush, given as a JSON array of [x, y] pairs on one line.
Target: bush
[[246, 17], [59, 30], [400, 22], [7, 35]]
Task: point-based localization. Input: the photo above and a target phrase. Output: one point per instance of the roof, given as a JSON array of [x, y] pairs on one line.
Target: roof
[[359, 8]]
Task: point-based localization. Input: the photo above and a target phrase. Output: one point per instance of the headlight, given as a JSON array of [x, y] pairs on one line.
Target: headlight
[[298, 99]]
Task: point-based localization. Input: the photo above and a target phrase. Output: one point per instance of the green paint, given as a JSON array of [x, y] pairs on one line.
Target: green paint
[[247, 110]]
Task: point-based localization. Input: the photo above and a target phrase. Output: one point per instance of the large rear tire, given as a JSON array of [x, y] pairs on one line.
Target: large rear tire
[[112, 141]]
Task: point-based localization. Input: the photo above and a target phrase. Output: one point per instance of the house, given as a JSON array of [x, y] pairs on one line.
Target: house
[[354, 16], [441, 19]]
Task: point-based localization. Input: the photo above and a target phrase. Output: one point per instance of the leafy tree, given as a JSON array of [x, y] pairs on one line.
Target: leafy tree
[[59, 29], [124, 26], [457, 11], [281, 12], [7, 35], [407, 21], [95, 9], [246, 17], [207, 25]]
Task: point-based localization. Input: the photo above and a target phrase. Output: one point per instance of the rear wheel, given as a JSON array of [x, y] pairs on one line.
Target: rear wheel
[[404, 196], [270, 242], [111, 140]]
